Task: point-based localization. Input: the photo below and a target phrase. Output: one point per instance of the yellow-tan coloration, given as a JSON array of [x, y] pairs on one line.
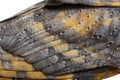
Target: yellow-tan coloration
[[78, 24], [70, 22], [22, 66], [50, 38], [59, 15], [19, 66], [54, 43], [62, 47], [111, 3], [31, 75], [94, 2], [72, 53], [80, 59], [66, 76], [115, 3], [10, 57], [36, 26], [44, 44], [107, 20], [36, 75], [99, 3], [5, 78], [1, 65], [68, 79], [89, 18], [103, 75], [51, 44], [94, 54], [5, 73]]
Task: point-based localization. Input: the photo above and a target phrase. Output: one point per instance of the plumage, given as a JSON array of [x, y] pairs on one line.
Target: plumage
[[62, 39]]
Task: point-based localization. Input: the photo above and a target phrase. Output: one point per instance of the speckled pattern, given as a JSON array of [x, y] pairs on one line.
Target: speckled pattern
[[86, 2], [67, 41]]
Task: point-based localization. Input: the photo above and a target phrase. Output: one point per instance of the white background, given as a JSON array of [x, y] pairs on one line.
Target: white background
[[9, 8]]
